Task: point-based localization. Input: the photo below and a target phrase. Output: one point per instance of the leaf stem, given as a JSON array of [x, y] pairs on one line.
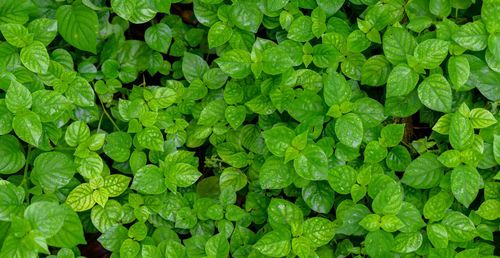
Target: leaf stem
[[25, 181], [107, 114]]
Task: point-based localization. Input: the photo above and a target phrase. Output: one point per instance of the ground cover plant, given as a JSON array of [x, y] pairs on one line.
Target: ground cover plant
[[249, 128]]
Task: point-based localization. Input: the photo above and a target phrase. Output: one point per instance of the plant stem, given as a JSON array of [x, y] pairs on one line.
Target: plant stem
[[107, 114], [25, 181]]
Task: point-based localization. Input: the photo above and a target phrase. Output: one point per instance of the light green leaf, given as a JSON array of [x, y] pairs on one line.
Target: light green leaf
[[158, 37], [235, 63], [151, 138], [401, 81], [11, 200], [193, 66], [312, 163], [435, 93], [28, 127], [461, 132], [274, 174], [459, 227], [423, 172], [35, 57], [336, 90], [319, 230], [481, 118], [149, 180], [349, 130], [341, 178], [430, 53], [278, 139], [472, 36], [465, 182], [80, 198], [274, 244]]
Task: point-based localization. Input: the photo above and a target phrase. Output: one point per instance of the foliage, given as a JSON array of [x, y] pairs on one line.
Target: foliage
[[309, 128]]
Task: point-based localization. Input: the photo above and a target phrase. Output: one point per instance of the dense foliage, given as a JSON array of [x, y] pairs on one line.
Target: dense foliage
[[250, 128]]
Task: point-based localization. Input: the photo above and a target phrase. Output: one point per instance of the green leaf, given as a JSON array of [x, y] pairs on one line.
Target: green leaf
[[392, 134], [341, 178], [408, 242], [50, 105], [441, 8], [375, 152], [53, 170], [411, 218], [193, 66], [371, 222], [375, 71], [278, 139], [71, 232], [115, 184], [11, 200], [235, 63], [129, 248], [149, 180], [430, 53], [235, 115], [459, 227], [80, 198], [76, 133], [379, 243], [398, 158], [45, 217], [80, 93], [424, 172], [151, 138], [397, 44], [436, 206], [275, 61], [274, 174], [44, 30], [35, 57], [78, 25], [325, 56], [283, 214], [312, 163], [461, 132], [481, 118], [186, 174], [318, 196], [274, 244], [124, 9], [336, 90], [28, 127], [158, 37], [437, 235], [246, 16], [16, 34], [401, 81], [301, 29], [458, 71], [113, 238], [349, 130], [472, 36], [219, 34], [117, 146], [319, 230], [489, 209], [435, 93], [217, 246], [18, 97], [465, 182], [388, 201]]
